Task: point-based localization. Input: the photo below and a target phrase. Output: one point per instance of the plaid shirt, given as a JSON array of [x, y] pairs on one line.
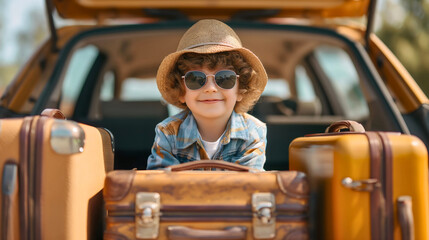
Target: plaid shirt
[[178, 141]]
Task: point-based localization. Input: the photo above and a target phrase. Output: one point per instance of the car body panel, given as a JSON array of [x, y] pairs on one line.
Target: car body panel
[[408, 94], [102, 9]]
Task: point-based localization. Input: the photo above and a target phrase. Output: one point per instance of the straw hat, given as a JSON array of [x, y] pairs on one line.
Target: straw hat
[[206, 37]]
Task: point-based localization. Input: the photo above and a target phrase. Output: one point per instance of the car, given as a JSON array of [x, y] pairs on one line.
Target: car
[[322, 67], [324, 64]]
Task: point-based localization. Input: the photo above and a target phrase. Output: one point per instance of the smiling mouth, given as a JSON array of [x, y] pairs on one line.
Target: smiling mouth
[[211, 100]]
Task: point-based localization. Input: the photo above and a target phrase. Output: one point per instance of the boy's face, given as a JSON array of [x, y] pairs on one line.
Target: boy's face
[[211, 101]]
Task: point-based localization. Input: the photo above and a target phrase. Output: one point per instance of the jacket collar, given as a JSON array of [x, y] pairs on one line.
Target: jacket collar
[[188, 131]]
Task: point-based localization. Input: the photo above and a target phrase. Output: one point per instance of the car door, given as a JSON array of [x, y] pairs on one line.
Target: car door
[[408, 96]]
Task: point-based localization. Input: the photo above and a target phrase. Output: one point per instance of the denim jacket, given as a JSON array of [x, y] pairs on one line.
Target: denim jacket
[[178, 141]]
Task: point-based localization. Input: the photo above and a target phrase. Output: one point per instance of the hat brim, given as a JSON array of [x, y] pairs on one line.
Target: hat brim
[[167, 66]]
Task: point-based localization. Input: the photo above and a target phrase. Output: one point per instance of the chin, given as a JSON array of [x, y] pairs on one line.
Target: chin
[[214, 114]]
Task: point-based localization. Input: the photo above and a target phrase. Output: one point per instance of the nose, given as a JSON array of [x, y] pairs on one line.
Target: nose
[[210, 85]]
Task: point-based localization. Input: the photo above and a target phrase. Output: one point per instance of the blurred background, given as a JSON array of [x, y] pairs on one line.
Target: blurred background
[[402, 24]]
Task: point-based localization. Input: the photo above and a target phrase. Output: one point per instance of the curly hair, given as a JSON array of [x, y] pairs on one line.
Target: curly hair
[[232, 59]]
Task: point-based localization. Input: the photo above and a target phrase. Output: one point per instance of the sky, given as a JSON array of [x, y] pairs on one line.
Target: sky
[[15, 16]]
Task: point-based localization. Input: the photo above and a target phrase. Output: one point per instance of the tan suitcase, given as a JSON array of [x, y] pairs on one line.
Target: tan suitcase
[[180, 204], [369, 185], [52, 175]]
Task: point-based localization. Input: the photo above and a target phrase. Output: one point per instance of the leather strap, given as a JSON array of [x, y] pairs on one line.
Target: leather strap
[[376, 197], [53, 113], [353, 126], [9, 180], [186, 233], [210, 164], [37, 152], [114, 236], [387, 183], [406, 218], [24, 155]]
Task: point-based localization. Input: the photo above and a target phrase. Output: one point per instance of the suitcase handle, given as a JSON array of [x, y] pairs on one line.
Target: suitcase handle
[[182, 232], [353, 126], [211, 164], [53, 113], [405, 215]]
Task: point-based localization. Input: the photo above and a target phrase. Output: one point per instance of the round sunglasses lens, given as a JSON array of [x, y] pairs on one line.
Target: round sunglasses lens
[[195, 80], [226, 79]]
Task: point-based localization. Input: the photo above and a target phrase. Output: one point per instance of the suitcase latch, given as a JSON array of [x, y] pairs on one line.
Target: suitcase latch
[[147, 215], [264, 222], [366, 185]]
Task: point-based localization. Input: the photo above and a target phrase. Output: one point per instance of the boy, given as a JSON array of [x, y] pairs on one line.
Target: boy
[[216, 81]]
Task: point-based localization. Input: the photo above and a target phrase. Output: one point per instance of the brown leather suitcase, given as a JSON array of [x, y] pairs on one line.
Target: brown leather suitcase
[[179, 204], [52, 174]]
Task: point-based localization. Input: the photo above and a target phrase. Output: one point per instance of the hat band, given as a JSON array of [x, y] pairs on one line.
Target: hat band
[[209, 43]]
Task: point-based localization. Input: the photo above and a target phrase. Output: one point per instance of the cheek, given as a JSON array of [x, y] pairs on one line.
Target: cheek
[[239, 97], [182, 98], [239, 93]]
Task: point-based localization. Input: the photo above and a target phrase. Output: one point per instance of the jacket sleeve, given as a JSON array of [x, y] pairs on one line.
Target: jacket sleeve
[[161, 153], [253, 154]]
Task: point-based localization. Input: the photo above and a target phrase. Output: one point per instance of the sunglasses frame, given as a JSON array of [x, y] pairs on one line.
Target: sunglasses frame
[[210, 75]]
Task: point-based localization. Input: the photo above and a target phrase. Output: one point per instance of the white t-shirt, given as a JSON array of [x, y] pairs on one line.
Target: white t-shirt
[[211, 147]]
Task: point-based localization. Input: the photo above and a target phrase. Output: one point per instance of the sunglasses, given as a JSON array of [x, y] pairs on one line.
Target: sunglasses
[[225, 79]]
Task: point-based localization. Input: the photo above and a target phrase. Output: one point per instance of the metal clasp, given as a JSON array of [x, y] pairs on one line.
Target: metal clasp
[[366, 185], [263, 211], [264, 222], [147, 215]]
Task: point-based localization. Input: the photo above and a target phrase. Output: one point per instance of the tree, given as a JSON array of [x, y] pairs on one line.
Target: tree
[[409, 38], [26, 39]]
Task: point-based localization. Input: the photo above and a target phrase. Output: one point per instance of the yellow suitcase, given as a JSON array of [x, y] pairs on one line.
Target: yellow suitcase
[[365, 185], [52, 174]]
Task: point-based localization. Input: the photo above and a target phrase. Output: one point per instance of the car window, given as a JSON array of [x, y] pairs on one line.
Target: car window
[[75, 76], [139, 89], [334, 62], [133, 89], [108, 87], [278, 88], [304, 87], [342, 74]]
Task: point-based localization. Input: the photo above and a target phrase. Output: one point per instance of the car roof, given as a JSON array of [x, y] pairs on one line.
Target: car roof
[[220, 9]]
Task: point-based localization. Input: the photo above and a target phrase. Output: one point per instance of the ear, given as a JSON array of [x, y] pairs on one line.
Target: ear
[[182, 99], [241, 93]]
